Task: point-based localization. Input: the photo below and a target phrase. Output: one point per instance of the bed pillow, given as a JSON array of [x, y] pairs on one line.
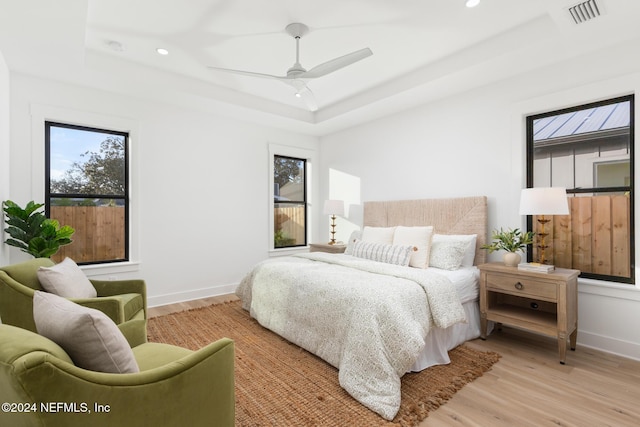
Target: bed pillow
[[67, 280], [469, 239], [90, 337], [447, 255], [420, 237], [378, 234], [356, 235], [390, 254]]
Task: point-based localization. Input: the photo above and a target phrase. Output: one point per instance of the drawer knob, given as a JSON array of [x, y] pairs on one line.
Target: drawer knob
[[519, 286]]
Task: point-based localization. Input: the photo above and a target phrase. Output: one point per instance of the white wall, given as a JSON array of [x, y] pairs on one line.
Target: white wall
[[200, 184], [474, 144], [5, 160]]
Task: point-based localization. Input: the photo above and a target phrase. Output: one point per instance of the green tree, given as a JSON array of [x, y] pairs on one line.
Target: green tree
[[287, 170], [102, 173]]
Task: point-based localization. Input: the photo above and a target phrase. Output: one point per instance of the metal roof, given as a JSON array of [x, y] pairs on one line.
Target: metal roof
[[605, 117]]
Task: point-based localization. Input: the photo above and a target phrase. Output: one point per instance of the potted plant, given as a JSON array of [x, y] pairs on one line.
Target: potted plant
[[33, 232], [510, 241]]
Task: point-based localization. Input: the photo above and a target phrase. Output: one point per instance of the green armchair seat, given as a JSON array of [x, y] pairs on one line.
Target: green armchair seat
[[121, 300], [175, 386]]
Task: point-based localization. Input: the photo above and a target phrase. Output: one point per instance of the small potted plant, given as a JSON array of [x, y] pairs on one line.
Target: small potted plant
[[32, 232], [511, 241]]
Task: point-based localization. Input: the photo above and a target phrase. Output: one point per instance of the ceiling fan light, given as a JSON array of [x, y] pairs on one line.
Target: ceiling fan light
[[298, 95], [162, 51], [472, 3]]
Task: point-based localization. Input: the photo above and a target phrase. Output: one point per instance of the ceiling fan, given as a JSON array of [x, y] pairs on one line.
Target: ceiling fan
[[297, 75]]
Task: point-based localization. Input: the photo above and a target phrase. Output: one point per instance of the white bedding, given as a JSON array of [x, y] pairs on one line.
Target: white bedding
[[440, 341], [373, 330]]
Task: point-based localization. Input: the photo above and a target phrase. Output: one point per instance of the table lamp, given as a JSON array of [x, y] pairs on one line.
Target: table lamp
[[543, 201], [333, 208]]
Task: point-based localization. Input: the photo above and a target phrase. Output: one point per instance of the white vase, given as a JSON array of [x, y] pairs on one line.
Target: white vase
[[511, 259]]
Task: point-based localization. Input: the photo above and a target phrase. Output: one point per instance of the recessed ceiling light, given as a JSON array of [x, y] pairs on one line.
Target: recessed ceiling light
[[472, 3], [115, 45], [162, 51]]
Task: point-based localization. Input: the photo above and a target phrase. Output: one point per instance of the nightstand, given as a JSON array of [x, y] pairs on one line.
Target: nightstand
[[325, 247], [546, 303]]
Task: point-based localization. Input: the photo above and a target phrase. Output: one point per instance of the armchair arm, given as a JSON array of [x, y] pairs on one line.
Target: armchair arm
[[197, 389], [108, 305], [16, 303], [106, 288], [135, 331]]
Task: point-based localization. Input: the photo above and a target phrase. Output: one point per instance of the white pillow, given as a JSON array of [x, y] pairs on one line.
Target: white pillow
[[378, 235], [390, 254], [355, 235], [90, 337], [420, 237], [66, 280], [470, 239], [447, 255]]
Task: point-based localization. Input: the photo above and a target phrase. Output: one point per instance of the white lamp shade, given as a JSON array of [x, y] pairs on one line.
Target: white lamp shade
[[334, 207], [544, 201]]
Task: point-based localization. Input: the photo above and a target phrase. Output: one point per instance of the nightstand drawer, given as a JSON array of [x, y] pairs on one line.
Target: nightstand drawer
[[522, 286]]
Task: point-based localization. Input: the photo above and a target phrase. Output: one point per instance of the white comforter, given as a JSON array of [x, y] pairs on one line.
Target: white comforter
[[366, 318]]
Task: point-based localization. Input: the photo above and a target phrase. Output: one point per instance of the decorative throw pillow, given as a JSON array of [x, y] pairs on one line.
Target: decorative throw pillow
[[420, 237], [66, 280], [90, 337], [378, 234], [390, 254], [356, 235], [447, 255], [469, 239]]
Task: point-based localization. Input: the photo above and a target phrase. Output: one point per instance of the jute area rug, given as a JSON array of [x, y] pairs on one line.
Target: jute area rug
[[280, 384]]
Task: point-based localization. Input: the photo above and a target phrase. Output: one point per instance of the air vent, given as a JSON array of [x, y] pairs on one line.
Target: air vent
[[584, 11]]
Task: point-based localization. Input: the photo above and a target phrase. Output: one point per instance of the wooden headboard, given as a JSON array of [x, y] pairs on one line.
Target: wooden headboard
[[464, 215]]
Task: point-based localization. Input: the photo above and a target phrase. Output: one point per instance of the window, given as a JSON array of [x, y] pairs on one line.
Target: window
[[86, 187], [587, 149], [289, 202]]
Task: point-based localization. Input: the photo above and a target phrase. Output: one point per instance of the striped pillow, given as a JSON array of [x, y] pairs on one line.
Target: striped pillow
[[390, 254]]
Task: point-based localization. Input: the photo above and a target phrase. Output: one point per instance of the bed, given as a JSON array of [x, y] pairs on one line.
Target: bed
[[376, 321]]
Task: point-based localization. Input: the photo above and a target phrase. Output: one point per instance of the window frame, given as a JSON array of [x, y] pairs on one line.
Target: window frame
[[309, 155], [48, 195], [304, 201], [529, 119]]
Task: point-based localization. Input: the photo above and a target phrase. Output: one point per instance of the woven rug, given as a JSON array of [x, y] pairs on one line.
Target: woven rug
[[280, 384]]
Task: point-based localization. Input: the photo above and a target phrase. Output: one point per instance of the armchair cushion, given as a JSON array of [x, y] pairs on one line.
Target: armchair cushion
[[66, 280], [91, 338]]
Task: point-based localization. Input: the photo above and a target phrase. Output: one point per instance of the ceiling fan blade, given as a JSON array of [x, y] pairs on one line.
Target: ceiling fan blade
[[303, 92], [337, 63], [250, 73], [309, 98]]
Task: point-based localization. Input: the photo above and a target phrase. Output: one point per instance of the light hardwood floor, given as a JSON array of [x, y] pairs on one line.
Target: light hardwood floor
[[528, 386]]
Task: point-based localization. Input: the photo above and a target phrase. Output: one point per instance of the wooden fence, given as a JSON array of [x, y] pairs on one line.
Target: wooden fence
[[594, 238], [290, 222], [99, 236]]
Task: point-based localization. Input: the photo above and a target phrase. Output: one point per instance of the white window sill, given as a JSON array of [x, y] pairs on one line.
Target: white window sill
[[110, 269], [288, 251], [609, 289]]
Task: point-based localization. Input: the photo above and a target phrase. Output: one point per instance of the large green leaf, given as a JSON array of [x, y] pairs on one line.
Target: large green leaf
[[32, 232]]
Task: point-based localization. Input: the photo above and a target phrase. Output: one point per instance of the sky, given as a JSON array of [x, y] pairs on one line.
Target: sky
[[67, 145]]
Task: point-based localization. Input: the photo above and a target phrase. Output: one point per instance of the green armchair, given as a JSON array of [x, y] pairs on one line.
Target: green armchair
[[175, 386], [121, 300]]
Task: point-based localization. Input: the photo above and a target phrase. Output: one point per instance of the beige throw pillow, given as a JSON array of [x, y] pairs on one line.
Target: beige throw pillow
[[90, 337], [66, 280], [420, 237]]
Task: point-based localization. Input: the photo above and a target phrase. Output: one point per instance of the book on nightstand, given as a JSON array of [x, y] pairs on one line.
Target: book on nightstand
[[536, 267]]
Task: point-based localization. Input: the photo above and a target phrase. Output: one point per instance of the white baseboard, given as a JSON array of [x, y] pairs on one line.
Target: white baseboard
[[159, 300], [615, 346]]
